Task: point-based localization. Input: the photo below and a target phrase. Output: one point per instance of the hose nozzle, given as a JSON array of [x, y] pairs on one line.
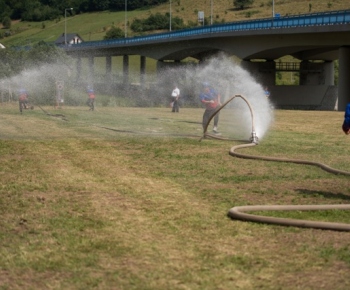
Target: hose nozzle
[[254, 138]]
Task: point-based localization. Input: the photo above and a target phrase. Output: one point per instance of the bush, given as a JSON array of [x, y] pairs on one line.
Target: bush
[[114, 32], [6, 22], [157, 22], [242, 4]]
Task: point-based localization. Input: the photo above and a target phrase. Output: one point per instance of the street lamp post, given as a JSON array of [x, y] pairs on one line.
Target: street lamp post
[[65, 25], [273, 8], [170, 17], [211, 12], [126, 18]]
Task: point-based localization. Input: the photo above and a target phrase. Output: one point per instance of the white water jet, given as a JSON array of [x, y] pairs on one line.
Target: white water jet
[[226, 76], [39, 81], [229, 79]]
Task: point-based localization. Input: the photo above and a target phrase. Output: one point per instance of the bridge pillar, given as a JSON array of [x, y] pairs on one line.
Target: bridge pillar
[[344, 78], [108, 69], [329, 73], [91, 69], [125, 70], [304, 79], [312, 73], [142, 70]]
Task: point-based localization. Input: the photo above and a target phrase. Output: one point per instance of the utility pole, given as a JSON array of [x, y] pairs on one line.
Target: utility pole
[[65, 25]]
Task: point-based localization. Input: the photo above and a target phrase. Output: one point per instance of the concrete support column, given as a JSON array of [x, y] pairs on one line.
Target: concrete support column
[[108, 69], [91, 70], [315, 74], [344, 78], [142, 70], [303, 77], [125, 70], [329, 73]]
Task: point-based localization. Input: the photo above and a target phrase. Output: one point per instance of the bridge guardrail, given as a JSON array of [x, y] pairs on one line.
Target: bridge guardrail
[[314, 19]]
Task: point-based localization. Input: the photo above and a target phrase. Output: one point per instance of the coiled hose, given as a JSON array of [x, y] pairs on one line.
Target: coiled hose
[[240, 212]]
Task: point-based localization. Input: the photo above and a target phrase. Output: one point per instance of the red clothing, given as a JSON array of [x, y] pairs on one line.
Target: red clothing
[[209, 95], [92, 96], [23, 97], [211, 105]]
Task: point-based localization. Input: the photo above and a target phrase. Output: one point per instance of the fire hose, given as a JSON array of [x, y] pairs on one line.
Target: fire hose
[[240, 212]]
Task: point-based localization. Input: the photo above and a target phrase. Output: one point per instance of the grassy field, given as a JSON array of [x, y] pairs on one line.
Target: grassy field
[[93, 26], [128, 198]]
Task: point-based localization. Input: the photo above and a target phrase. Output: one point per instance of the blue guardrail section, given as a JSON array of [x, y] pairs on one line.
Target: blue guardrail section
[[314, 19]]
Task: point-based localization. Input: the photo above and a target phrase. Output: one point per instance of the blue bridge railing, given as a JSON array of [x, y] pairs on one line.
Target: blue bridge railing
[[314, 19]]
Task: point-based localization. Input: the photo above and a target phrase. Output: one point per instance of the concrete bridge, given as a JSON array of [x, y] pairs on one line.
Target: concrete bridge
[[314, 39]]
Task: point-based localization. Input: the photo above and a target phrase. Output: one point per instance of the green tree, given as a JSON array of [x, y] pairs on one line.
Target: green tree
[[6, 22], [242, 4], [114, 32]]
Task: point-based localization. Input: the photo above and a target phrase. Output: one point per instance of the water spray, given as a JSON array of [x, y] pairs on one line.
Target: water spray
[[253, 139]]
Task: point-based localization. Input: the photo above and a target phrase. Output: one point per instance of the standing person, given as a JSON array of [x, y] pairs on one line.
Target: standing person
[[175, 95], [267, 92], [22, 99], [91, 100], [212, 101], [346, 123], [59, 94]]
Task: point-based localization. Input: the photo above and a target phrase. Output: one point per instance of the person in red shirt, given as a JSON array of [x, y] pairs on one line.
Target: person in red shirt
[[91, 100], [22, 99], [211, 99]]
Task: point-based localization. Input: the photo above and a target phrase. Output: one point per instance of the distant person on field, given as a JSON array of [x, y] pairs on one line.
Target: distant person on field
[[211, 99], [175, 95], [22, 100], [346, 123], [59, 95], [267, 92], [91, 100]]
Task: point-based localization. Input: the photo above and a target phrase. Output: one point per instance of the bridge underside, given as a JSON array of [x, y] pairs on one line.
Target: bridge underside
[[313, 45]]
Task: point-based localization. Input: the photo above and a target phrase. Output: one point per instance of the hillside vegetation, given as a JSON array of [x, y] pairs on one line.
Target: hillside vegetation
[[93, 26]]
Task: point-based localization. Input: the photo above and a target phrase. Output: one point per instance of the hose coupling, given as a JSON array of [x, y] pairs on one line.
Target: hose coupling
[[254, 138]]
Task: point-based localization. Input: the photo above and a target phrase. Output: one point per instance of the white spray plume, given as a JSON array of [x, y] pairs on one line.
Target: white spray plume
[[229, 79]]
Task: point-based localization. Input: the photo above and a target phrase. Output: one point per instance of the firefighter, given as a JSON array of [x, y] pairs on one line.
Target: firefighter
[[23, 100], [91, 100]]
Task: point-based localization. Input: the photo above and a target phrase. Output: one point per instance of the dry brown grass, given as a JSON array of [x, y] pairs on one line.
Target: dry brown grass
[[224, 9], [84, 207]]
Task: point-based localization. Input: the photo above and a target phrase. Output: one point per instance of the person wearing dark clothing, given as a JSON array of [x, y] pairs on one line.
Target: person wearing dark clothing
[[91, 100], [175, 95], [346, 123], [212, 101], [267, 92]]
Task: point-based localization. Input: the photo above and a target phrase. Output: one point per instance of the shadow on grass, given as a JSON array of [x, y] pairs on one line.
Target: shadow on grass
[[325, 194]]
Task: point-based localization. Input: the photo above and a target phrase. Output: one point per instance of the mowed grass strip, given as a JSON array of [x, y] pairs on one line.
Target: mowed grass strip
[[143, 204]]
